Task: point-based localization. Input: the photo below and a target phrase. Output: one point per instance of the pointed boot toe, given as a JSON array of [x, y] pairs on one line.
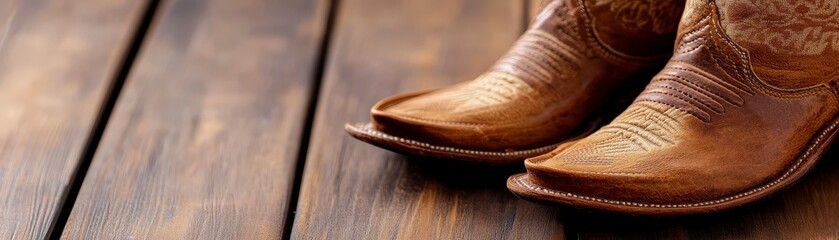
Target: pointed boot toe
[[444, 124], [708, 133], [560, 81]]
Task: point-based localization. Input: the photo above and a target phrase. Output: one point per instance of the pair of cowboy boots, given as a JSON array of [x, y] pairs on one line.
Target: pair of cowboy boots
[[746, 104]]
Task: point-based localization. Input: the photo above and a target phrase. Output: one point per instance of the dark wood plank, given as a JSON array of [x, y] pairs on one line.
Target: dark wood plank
[[352, 190], [57, 59], [808, 210], [204, 140]]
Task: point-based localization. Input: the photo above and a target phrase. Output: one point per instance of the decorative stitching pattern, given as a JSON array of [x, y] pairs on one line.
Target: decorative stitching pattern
[[567, 24], [692, 89], [677, 84], [599, 48], [610, 173], [640, 128], [789, 27], [724, 89], [472, 100], [540, 68], [702, 94], [519, 179], [643, 122], [656, 15], [538, 56]]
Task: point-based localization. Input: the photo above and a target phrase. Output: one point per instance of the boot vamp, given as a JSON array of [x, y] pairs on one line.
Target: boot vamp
[[704, 129], [497, 111]]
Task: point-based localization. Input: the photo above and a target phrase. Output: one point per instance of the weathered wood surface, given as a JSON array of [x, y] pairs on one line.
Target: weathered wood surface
[[57, 61], [352, 190], [204, 139]]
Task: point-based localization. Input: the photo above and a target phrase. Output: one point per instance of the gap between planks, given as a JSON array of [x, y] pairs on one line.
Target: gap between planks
[[102, 117], [311, 107]]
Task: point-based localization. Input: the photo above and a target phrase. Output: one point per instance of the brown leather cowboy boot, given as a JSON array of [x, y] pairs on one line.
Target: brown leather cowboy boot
[[745, 107], [575, 56]]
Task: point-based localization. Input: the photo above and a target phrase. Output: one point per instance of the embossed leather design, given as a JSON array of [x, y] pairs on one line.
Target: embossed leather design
[[706, 130], [550, 82], [787, 39]]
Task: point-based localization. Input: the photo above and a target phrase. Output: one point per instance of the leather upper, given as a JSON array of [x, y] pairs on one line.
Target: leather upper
[[550, 82], [706, 127]]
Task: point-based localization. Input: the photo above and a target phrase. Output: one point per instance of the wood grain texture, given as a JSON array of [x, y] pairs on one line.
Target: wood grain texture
[[807, 210], [204, 140], [352, 190], [57, 59]]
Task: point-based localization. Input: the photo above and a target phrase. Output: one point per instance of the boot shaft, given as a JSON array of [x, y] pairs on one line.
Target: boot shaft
[[791, 44], [572, 42], [636, 28]]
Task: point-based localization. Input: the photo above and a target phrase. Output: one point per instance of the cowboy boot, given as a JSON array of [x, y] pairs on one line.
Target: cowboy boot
[[574, 57], [745, 107]]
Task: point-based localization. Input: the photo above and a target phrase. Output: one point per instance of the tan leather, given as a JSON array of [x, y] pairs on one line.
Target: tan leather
[[786, 39], [574, 58], [709, 132]]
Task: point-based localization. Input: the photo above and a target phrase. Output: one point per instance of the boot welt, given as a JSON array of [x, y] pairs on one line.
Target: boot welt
[[366, 132], [521, 186]]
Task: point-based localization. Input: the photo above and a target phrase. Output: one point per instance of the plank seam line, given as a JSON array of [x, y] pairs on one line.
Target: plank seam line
[[71, 192], [311, 108]]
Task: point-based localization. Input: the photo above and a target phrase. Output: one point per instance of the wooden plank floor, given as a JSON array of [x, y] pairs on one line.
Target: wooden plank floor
[[57, 59], [203, 141], [356, 191], [220, 119]]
